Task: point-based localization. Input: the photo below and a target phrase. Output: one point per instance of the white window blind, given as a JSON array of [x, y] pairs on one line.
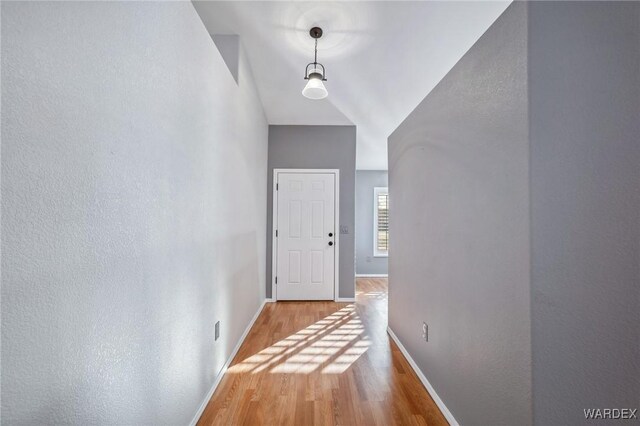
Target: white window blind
[[380, 221]]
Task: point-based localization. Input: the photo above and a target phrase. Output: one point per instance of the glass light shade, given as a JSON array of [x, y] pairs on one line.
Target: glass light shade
[[314, 89]]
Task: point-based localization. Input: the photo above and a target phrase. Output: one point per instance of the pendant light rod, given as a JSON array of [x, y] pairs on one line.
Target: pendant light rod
[[315, 55], [315, 33]]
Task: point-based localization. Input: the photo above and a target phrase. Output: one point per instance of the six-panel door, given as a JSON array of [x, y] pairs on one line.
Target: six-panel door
[[305, 236]]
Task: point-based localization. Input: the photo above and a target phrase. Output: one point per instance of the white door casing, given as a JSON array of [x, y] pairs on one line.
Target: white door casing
[[305, 220]]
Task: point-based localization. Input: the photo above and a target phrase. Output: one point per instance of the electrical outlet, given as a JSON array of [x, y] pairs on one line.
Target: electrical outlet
[[217, 330], [344, 229], [425, 331]]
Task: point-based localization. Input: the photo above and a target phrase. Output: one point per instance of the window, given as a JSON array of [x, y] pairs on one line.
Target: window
[[380, 222]]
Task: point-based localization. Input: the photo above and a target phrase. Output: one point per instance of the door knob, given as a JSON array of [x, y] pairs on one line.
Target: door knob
[[330, 243], [331, 234]]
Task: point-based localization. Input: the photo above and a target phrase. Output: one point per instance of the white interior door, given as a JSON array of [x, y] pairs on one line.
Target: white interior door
[[306, 235]]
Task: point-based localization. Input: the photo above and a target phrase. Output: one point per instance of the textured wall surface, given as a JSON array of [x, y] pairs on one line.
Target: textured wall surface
[[458, 178], [584, 90], [366, 262], [318, 147], [133, 197]]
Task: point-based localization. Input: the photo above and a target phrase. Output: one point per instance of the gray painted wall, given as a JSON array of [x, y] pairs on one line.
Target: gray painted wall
[[584, 63], [229, 47], [496, 200], [126, 142], [459, 179], [366, 262], [318, 147]]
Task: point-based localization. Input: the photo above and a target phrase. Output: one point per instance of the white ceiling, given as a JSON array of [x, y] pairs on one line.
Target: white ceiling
[[382, 58]]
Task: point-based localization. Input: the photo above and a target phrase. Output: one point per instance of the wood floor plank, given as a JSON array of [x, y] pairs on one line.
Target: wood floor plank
[[322, 363]]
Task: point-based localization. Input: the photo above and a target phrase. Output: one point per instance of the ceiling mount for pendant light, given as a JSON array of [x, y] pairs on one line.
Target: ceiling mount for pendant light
[[314, 73]]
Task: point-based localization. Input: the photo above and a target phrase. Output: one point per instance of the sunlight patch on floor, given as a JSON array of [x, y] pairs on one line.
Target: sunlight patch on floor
[[332, 345]]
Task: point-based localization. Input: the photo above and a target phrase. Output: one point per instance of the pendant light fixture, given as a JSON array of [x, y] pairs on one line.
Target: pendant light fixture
[[314, 73]]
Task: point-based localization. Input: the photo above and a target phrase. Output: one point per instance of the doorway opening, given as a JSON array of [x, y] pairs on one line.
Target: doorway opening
[[373, 227]]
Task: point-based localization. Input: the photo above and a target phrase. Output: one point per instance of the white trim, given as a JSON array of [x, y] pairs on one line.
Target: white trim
[[274, 240], [336, 232], [345, 299], [271, 300], [372, 275], [223, 370], [376, 191], [336, 254], [445, 411]]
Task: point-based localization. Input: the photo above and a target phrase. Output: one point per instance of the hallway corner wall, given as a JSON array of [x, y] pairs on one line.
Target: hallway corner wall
[[126, 142], [584, 74], [559, 155], [459, 241]]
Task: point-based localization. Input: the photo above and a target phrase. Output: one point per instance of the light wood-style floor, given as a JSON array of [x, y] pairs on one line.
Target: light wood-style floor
[[322, 363]]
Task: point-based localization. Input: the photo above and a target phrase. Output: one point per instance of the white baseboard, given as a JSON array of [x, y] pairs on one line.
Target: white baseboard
[[372, 275], [337, 299], [445, 411], [223, 370]]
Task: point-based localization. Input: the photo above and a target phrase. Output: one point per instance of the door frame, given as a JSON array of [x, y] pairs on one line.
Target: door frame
[[336, 232]]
